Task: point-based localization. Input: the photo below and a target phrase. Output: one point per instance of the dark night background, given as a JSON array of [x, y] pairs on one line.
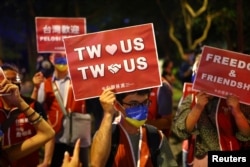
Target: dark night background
[[17, 27], [230, 30]]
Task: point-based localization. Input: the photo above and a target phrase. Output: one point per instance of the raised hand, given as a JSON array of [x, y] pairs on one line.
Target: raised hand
[[74, 160]]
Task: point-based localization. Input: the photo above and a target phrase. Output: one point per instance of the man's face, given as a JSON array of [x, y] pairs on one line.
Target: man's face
[[133, 100], [135, 109]]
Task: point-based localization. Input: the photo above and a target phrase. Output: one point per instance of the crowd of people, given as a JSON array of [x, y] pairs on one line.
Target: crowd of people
[[45, 91], [130, 129]]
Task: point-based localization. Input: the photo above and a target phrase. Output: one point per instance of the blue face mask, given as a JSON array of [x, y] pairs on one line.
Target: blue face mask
[[61, 60], [139, 112], [137, 116]]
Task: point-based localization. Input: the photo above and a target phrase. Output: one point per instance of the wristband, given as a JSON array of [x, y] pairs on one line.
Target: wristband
[[26, 109], [36, 120], [28, 116]]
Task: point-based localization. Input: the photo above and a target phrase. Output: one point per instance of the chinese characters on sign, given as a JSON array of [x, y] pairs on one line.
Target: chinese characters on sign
[[61, 29], [51, 31]]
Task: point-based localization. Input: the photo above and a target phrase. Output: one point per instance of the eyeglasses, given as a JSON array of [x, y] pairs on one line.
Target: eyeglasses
[[16, 80], [136, 104]]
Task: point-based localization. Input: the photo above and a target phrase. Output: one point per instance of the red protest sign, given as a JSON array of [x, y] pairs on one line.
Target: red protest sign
[[188, 89], [125, 59], [222, 72], [50, 32]]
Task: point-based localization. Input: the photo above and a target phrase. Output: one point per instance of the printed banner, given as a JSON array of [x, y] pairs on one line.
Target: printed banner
[[188, 89], [222, 72], [50, 32], [125, 59]]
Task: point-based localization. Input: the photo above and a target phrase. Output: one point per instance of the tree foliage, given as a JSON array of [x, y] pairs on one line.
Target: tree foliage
[[179, 25]]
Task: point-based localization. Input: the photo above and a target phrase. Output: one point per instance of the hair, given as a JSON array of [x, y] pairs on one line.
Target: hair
[[7, 66], [13, 67], [121, 96], [166, 62]]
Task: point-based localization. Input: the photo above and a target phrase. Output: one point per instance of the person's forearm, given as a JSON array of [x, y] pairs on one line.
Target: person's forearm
[[44, 133], [193, 117], [101, 144], [34, 93], [242, 123], [41, 125], [48, 151]]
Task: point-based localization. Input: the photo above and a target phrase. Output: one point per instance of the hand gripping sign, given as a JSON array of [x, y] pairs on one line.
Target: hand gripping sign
[[125, 59], [222, 73]]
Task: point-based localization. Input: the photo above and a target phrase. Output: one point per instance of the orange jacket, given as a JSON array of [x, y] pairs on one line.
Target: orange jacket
[[124, 156]]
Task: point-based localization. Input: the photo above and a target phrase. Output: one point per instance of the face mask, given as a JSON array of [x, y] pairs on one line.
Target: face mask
[[61, 67], [137, 116], [61, 60], [61, 64]]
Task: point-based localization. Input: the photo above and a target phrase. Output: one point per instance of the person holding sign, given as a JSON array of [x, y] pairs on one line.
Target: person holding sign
[[15, 150], [56, 94], [128, 141], [188, 144], [18, 129], [219, 124], [161, 107]]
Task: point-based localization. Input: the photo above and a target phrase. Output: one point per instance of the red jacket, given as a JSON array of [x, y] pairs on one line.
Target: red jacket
[[19, 131], [53, 109], [154, 108]]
